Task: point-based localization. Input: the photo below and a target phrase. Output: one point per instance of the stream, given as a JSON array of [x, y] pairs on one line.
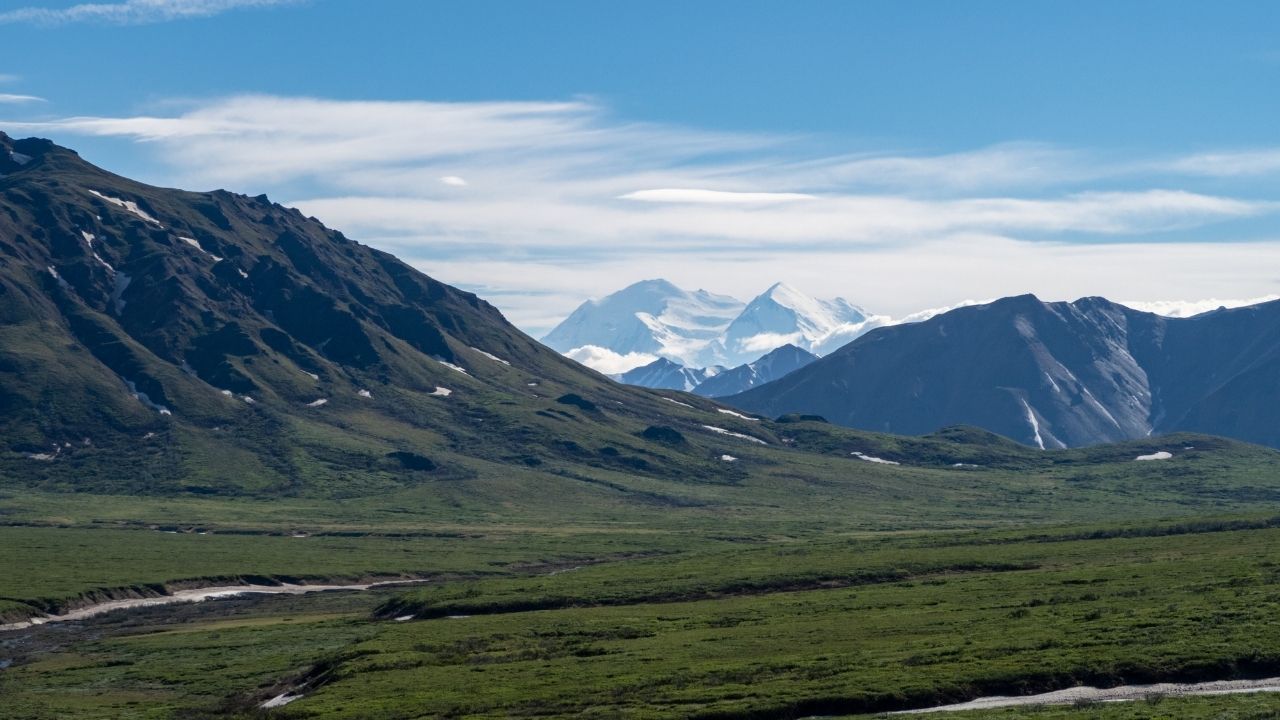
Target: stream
[[1123, 693], [191, 596]]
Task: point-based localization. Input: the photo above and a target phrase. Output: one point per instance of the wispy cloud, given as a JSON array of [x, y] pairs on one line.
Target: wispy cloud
[[10, 99], [9, 78], [698, 195], [1262, 161], [563, 200], [132, 12]]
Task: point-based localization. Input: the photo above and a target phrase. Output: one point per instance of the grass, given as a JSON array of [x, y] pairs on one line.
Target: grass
[[764, 629]]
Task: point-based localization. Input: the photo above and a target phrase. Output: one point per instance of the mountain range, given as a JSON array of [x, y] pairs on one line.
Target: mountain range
[[1050, 374], [654, 318], [158, 342]]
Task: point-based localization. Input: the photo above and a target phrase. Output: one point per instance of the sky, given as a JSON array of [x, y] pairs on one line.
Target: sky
[[900, 154]]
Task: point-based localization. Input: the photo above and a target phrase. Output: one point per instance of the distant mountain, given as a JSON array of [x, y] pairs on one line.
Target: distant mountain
[[783, 315], [698, 329], [1050, 374], [777, 364], [652, 317], [663, 374]]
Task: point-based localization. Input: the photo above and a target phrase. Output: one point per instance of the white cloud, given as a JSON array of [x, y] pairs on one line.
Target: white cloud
[[607, 361], [542, 226], [1188, 308], [696, 195], [9, 78], [1263, 161], [132, 12], [16, 99]]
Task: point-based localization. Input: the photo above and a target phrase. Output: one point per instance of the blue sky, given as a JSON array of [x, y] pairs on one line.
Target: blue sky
[[901, 154]]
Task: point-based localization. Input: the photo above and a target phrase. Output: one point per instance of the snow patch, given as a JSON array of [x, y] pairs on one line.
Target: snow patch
[[441, 392], [451, 366], [1162, 455], [365, 394], [89, 238], [737, 415], [318, 403], [491, 356], [226, 392], [280, 700], [248, 400], [196, 244], [1035, 424], [677, 402], [869, 458], [728, 458], [19, 157], [404, 618], [1049, 377], [730, 433], [129, 205]]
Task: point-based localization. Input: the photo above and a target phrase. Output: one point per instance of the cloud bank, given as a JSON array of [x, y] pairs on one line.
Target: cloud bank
[[540, 205]]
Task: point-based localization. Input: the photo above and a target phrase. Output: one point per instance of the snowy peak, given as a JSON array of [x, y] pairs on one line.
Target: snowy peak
[[654, 318], [649, 318], [783, 315]]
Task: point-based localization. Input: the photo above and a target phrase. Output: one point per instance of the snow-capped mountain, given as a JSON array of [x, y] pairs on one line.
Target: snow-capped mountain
[[781, 316], [664, 374], [649, 319], [655, 319]]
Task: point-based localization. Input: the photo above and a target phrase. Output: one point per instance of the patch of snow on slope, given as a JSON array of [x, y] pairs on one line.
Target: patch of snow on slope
[[737, 414], [129, 205], [318, 403], [441, 392], [196, 244], [1049, 377], [677, 402], [365, 394], [280, 700], [1035, 424], [730, 433], [451, 366], [19, 157], [728, 458], [1162, 455], [869, 458], [491, 356], [89, 238]]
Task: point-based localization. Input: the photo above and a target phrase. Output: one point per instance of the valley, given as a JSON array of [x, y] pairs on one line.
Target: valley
[[444, 518]]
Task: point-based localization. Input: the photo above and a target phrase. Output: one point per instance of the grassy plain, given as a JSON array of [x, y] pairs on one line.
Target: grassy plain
[[738, 629]]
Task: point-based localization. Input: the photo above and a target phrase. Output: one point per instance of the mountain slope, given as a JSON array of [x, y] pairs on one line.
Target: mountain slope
[[156, 340], [1049, 374], [773, 366]]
